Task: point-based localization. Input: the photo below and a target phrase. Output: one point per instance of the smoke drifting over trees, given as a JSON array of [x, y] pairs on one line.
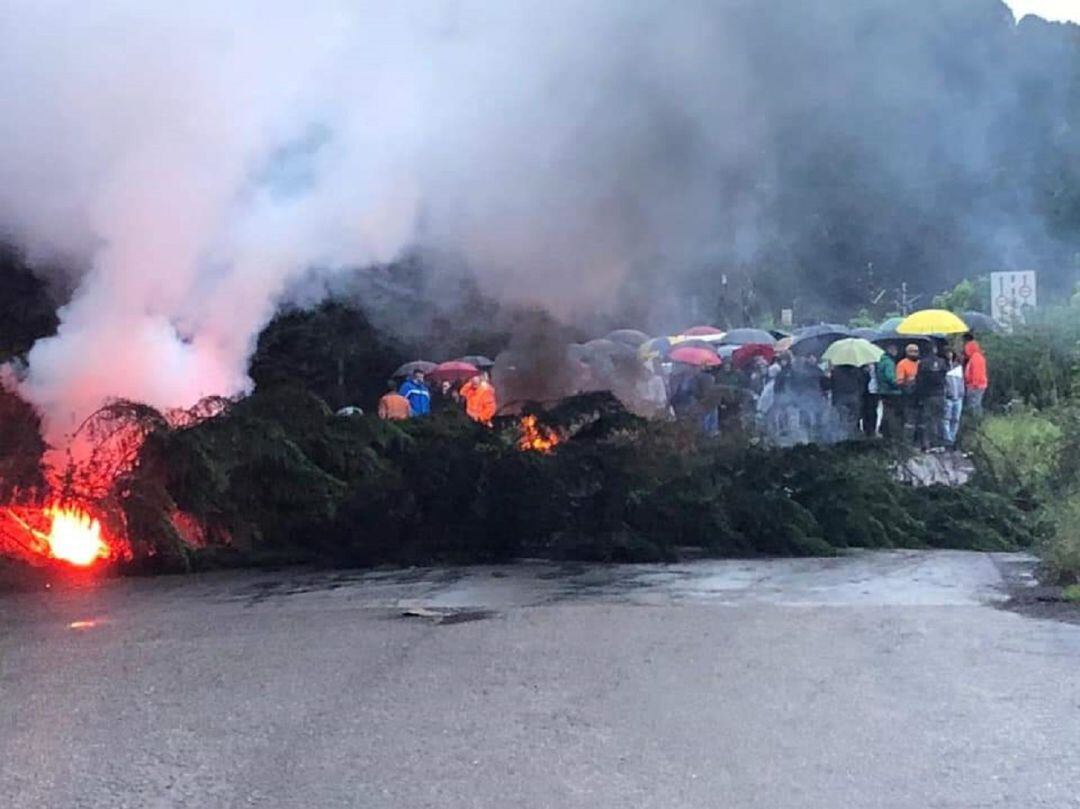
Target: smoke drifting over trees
[[192, 161]]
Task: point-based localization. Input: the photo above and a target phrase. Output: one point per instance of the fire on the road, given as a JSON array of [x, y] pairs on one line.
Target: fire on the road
[[66, 533], [74, 536]]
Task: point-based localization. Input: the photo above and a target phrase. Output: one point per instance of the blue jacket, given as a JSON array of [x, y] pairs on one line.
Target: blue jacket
[[418, 395]]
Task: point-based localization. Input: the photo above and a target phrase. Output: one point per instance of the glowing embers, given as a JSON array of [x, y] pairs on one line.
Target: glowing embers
[[74, 536], [535, 437], [62, 531]]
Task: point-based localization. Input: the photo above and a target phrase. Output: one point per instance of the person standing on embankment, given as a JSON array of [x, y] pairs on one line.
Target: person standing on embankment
[[976, 380]]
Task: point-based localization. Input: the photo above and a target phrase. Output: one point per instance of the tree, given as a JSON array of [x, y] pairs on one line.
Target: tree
[[332, 351], [27, 311]]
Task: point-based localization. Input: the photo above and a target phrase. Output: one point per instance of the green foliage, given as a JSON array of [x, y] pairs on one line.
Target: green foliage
[[331, 350], [277, 475], [21, 447], [864, 320], [1061, 553], [1021, 450], [1035, 366], [1034, 459], [967, 295], [27, 311]]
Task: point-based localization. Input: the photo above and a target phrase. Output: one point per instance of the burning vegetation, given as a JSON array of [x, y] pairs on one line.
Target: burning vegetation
[[277, 477], [76, 507], [535, 437], [64, 533]]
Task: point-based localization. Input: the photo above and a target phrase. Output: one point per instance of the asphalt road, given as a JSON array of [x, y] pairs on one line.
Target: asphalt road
[[884, 680]]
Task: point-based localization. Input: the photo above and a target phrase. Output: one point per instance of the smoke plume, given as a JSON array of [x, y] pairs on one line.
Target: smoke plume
[[192, 160]]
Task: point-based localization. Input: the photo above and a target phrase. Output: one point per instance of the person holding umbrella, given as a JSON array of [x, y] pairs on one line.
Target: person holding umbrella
[[851, 361], [929, 400], [848, 384], [416, 393]]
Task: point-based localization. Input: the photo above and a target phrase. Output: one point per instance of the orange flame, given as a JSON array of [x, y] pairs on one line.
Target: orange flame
[[64, 532], [74, 536], [536, 437]]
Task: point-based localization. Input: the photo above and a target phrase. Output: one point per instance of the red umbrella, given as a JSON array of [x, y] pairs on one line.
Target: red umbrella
[[453, 371], [703, 330], [744, 354], [694, 356]]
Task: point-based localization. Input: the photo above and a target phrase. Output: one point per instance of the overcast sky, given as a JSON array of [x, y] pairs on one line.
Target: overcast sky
[[1057, 10]]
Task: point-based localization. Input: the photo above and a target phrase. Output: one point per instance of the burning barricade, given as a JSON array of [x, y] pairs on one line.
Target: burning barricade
[[74, 507], [536, 437], [64, 533]]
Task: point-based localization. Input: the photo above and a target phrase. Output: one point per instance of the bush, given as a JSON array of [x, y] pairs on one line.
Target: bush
[[1061, 553], [1020, 450], [22, 448], [1035, 366]]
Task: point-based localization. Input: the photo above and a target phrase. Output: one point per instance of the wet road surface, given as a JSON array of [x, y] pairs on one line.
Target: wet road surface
[[877, 680]]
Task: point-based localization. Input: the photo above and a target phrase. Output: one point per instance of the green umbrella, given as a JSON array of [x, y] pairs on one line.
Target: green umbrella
[[890, 324], [852, 351]]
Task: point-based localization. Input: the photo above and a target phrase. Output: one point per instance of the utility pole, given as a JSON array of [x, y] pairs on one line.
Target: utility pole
[[905, 302]]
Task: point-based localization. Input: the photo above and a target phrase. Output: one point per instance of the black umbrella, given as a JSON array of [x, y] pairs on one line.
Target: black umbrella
[[867, 334], [822, 329], [977, 321], [631, 337], [416, 365], [744, 337], [815, 339]]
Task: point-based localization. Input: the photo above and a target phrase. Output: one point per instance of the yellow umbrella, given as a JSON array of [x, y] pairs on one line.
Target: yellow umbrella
[[932, 321]]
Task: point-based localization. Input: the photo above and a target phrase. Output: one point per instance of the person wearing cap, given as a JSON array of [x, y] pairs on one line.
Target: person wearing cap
[[907, 371], [908, 368]]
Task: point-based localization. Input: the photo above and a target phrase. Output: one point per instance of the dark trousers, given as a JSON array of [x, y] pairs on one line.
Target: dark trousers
[[847, 411], [928, 411], [869, 414], [892, 417]]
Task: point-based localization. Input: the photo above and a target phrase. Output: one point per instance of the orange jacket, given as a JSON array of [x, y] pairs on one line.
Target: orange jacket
[[479, 400], [906, 371], [393, 406], [975, 377]]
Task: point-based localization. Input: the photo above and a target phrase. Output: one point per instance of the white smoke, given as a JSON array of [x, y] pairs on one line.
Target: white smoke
[[193, 159], [1053, 10]]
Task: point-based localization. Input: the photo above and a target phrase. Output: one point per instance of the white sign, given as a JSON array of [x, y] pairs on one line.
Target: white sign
[[1012, 296], [787, 317]]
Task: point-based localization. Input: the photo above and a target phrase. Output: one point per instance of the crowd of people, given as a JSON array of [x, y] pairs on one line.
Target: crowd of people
[[413, 398], [788, 398], [918, 397]]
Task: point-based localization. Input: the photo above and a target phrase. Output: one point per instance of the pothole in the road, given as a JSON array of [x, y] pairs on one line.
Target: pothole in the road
[[443, 616]]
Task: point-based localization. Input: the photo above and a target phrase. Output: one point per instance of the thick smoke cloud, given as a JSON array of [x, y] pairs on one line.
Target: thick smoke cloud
[[193, 160]]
